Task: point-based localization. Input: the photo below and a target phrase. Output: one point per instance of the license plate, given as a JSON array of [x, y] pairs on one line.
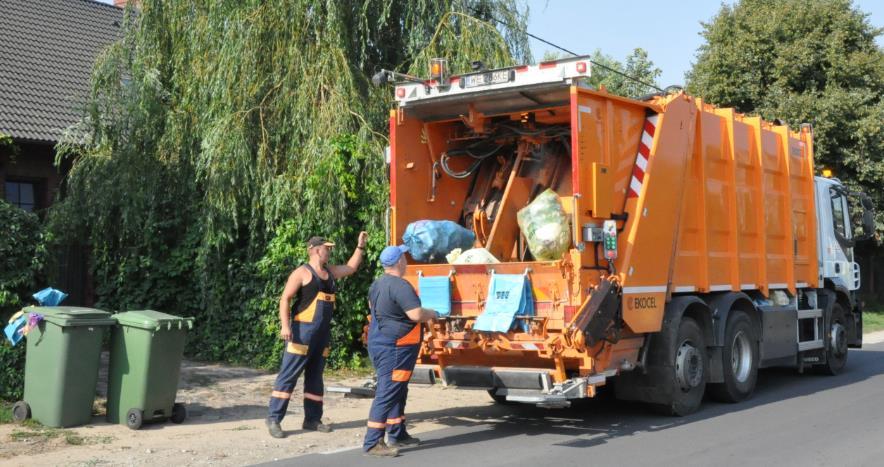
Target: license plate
[[489, 78]]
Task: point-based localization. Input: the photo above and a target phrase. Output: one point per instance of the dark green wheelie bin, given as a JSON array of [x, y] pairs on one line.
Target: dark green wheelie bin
[[145, 362], [61, 365]]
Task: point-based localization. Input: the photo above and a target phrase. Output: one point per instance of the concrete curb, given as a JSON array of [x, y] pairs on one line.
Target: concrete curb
[[873, 337]]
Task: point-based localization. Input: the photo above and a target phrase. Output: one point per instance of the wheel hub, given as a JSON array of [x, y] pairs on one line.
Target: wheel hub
[[839, 339], [688, 367], [741, 357]]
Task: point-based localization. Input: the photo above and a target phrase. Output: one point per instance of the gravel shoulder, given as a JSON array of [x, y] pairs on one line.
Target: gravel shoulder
[[225, 425]]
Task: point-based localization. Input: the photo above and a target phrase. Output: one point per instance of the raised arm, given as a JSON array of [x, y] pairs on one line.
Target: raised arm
[[355, 261]]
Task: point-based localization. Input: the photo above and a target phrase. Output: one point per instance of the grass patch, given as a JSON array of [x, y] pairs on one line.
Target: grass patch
[[346, 373], [5, 412], [39, 434]]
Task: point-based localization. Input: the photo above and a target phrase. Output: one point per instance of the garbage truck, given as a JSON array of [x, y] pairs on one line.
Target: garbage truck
[[701, 244]]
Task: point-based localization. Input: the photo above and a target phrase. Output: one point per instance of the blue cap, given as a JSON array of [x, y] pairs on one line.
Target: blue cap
[[391, 254]]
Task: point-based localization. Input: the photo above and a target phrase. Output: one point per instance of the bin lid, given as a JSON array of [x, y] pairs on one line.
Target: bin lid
[[153, 320], [71, 315]]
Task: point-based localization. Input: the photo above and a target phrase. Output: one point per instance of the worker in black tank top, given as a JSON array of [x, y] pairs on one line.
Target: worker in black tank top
[[307, 331]]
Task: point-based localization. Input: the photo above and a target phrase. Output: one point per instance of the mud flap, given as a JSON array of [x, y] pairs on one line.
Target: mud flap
[[599, 317]]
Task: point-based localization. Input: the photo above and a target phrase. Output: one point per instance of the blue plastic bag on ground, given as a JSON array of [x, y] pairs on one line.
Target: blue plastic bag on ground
[[429, 241], [435, 293], [509, 295]]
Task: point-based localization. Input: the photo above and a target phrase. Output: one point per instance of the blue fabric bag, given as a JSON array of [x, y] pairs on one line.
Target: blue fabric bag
[[435, 293], [49, 296], [429, 241], [509, 295], [13, 329]]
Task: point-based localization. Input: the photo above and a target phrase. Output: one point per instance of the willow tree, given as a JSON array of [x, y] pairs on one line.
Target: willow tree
[[221, 134]]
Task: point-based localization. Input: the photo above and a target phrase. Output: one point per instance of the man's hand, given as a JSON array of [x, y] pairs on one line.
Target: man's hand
[[285, 333], [363, 237]]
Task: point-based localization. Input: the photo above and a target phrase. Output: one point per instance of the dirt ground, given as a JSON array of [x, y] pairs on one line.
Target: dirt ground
[[225, 425]]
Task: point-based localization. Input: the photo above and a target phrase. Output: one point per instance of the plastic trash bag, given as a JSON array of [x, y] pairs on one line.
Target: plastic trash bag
[[435, 293], [49, 296], [545, 226], [429, 241], [472, 256]]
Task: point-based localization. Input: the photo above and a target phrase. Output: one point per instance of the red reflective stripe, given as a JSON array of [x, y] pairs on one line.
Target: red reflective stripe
[[643, 150], [638, 174], [650, 128], [313, 397]]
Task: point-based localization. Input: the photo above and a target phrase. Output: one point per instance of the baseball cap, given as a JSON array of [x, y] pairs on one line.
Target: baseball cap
[[391, 254], [317, 241]]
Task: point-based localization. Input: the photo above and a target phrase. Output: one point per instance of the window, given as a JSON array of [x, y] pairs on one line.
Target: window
[[22, 194], [838, 215]]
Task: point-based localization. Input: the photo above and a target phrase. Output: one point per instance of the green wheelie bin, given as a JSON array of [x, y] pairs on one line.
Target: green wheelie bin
[[61, 365], [145, 362]]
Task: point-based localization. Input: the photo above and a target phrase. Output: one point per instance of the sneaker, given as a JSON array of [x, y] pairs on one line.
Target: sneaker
[[406, 441], [274, 428], [317, 426], [382, 450]]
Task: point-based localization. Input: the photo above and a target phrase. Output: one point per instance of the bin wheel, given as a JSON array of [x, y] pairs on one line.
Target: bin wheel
[[179, 413], [134, 418], [21, 411]]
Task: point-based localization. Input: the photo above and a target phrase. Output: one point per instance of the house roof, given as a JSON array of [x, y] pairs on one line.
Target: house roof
[[46, 58]]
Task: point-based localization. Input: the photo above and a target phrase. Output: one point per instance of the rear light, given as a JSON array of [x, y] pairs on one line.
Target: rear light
[[581, 67], [400, 93]]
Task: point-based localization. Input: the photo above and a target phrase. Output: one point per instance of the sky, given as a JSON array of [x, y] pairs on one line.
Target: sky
[[670, 33]]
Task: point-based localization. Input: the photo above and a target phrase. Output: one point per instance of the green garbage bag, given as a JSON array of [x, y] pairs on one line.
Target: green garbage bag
[[545, 226]]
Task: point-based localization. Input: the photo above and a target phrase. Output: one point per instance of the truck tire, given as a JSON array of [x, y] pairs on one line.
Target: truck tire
[[739, 360], [836, 342], [687, 370]]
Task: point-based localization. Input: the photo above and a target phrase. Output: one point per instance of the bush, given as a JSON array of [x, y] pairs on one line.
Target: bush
[[22, 256]]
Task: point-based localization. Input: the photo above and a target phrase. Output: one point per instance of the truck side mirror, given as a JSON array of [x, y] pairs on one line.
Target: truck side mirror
[[868, 217]]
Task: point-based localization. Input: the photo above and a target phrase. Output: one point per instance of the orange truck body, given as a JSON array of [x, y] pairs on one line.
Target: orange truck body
[[706, 201]]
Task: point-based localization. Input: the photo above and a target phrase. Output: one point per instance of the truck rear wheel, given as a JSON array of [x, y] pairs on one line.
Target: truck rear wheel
[[739, 360], [836, 345], [688, 370]]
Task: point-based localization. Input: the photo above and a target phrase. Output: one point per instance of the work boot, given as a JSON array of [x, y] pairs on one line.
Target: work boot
[[406, 441], [317, 426], [382, 450], [274, 428]]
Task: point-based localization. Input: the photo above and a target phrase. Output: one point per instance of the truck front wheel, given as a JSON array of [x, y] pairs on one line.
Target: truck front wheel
[[739, 360], [836, 347]]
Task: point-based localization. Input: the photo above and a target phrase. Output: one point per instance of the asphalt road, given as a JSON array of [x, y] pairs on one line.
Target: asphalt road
[[792, 419]]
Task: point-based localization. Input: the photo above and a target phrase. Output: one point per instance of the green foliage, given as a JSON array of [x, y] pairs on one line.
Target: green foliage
[[630, 79], [803, 61], [220, 135], [22, 257], [637, 65]]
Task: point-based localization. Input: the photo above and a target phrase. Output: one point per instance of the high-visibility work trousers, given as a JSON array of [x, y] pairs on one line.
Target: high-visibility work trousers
[[305, 353], [393, 365]]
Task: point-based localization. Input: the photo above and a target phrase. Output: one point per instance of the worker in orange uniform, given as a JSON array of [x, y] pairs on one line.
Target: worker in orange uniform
[[312, 286], [394, 337]]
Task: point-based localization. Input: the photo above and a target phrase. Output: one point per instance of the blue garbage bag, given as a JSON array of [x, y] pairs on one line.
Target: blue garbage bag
[[13, 330], [429, 241], [435, 293], [509, 295], [49, 297]]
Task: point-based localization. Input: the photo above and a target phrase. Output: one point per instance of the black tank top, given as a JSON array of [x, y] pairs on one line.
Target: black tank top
[[308, 292]]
